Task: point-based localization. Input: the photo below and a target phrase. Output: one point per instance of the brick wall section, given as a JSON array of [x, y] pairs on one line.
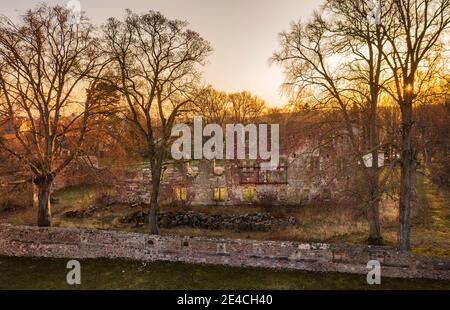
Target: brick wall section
[[79, 243]]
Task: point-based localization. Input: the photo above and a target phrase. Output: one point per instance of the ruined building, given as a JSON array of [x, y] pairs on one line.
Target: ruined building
[[307, 171]]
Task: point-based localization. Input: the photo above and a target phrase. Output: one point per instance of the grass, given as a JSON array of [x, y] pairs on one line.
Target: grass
[[39, 273], [70, 198], [79, 196], [431, 226]]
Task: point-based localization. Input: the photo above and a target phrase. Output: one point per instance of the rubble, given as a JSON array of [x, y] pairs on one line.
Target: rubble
[[262, 222]]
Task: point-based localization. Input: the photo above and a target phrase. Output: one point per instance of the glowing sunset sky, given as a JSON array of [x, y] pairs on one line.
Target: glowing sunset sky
[[243, 34]]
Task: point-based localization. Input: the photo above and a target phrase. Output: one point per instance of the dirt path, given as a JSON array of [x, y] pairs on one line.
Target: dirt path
[[431, 226]]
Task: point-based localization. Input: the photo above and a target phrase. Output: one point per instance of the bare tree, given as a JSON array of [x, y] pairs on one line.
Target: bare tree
[[413, 29], [45, 62], [364, 40], [154, 64], [213, 105], [246, 107], [336, 59], [217, 106]]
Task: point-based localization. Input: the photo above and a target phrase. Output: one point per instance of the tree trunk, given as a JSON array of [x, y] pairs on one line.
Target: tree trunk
[[43, 185], [373, 214], [374, 222], [373, 176], [406, 176], [153, 215]]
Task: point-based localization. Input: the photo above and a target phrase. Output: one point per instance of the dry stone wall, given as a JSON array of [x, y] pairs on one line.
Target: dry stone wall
[[79, 243]]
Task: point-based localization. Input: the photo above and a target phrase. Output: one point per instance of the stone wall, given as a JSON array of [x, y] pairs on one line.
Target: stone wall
[[78, 244], [237, 222], [83, 171], [294, 184]]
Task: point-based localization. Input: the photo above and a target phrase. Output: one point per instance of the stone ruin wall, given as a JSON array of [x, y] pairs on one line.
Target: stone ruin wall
[[295, 186], [79, 244]]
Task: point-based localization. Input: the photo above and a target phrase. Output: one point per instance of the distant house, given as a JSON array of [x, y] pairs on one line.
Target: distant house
[[368, 160]]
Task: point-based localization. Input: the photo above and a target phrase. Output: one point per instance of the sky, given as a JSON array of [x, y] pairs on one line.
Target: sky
[[243, 34]]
